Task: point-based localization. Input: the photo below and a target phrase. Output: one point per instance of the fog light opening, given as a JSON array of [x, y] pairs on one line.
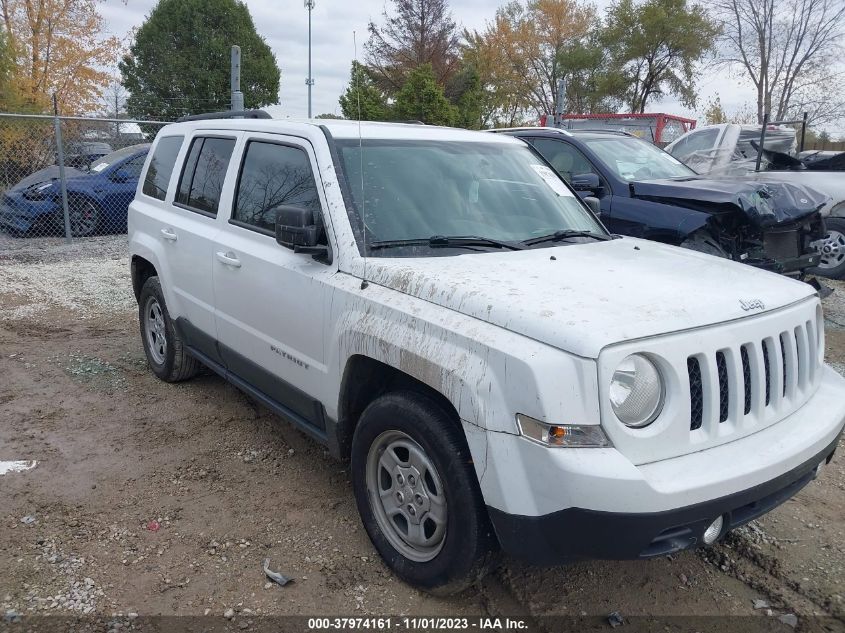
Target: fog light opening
[[714, 530]]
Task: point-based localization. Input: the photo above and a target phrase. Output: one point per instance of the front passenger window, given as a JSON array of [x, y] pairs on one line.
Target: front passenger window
[[273, 175], [566, 160]]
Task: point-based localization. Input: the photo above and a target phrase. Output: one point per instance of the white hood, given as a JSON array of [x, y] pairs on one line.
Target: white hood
[[592, 294]]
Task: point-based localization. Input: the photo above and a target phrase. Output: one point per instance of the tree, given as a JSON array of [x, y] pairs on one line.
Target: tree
[[328, 115], [419, 32], [465, 94], [179, 62], [363, 99], [790, 50], [714, 112], [656, 46], [502, 101], [58, 47], [526, 43], [421, 99]]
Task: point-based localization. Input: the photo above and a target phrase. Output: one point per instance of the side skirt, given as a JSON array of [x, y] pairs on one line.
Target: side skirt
[[283, 410]]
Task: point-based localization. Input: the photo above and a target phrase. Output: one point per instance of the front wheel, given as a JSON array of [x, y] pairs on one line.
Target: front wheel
[[84, 216], [832, 249], [704, 242], [418, 494]]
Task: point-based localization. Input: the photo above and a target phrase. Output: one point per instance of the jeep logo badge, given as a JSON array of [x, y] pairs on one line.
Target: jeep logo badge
[[752, 304]]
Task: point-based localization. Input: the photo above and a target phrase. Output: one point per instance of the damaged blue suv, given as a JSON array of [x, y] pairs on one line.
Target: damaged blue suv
[[98, 200], [642, 191]]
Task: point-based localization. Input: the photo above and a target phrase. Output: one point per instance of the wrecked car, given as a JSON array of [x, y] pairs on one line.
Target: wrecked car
[[731, 150], [642, 191]]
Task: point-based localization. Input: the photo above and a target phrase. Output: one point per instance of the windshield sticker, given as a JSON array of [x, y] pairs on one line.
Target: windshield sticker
[[552, 180], [99, 167]]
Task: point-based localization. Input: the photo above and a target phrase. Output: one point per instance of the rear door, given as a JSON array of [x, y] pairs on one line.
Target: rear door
[[270, 300], [187, 233]]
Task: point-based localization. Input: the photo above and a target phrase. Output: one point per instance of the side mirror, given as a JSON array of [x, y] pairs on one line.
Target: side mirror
[[296, 229], [594, 204], [585, 182], [120, 175]]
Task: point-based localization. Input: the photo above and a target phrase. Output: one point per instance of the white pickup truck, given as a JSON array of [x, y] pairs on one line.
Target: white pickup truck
[[440, 308]]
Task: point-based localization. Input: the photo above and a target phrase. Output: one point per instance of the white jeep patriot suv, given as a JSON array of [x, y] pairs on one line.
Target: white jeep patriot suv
[[437, 306]]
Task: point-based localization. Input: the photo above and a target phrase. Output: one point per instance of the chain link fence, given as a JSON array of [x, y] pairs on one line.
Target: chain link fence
[[65, 179]]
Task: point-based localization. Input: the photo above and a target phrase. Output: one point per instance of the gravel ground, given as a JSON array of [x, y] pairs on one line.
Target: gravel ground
[[156, 499]]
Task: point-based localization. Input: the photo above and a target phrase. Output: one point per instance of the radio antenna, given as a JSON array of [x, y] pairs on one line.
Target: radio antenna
[[364, 282]]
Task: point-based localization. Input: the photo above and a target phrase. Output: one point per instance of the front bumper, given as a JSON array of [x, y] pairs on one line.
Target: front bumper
[[23, 215], [577, 534], [555, 505]]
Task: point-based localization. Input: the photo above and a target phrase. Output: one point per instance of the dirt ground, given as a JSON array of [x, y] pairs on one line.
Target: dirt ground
[[153, 498]]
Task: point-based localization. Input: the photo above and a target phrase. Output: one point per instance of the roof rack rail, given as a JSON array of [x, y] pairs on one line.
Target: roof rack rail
[[601, 131], [226, 114], [408, 121]]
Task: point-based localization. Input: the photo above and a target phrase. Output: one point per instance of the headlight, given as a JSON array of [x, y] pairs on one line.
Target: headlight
[[636, 391], [38, 191]]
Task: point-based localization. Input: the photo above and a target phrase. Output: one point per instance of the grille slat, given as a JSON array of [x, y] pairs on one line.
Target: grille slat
[[724, 390], [767, 369], [696, 392], [746, 378]]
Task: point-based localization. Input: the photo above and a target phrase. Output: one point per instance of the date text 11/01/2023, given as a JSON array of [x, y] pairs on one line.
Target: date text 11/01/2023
[[416, 623]]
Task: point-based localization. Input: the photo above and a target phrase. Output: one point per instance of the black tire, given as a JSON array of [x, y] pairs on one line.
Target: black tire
[[171, 362], [85, 217], [704, 242], [833, 261], [468, 546]]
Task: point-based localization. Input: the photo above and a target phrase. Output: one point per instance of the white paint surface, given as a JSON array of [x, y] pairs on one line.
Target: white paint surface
[[16, 466]]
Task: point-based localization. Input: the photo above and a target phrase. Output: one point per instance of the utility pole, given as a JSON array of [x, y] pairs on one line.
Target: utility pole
[[237, 104], [309, 81]]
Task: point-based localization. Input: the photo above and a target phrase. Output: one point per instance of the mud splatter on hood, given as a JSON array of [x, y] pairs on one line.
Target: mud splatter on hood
[[592, 294]]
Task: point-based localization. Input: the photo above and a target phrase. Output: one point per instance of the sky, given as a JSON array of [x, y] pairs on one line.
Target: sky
[[284, 25]]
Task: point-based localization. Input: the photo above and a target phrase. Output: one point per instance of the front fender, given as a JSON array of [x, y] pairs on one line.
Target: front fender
[[660, 222], [486, 372]]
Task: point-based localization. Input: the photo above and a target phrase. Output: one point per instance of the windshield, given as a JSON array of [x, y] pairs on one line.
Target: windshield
[[114, 157], [414, 190], [633, 159]]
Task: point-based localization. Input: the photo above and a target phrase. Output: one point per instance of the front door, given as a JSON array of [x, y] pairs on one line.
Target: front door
[[270, 301]]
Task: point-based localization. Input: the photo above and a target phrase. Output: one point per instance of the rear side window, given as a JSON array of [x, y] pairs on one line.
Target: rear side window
[[273, 175], [161, 166], [202, 177]]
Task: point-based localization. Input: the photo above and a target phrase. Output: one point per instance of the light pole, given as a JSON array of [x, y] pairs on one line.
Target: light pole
[[309, 4]]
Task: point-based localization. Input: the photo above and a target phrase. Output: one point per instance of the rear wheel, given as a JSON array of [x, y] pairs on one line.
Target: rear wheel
[[162, 344], [832, 249], [418, 494]]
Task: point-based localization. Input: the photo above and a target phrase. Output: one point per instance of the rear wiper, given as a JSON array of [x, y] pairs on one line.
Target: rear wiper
[[558, 236], [443, 241]]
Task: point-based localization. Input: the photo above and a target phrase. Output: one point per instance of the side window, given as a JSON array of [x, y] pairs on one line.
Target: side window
[[161, 166], [273, 175], [205, 169], [698, 141], [133, 167], [566, 159]]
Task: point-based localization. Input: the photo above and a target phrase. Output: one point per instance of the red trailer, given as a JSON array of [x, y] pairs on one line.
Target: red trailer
[[659, 128]]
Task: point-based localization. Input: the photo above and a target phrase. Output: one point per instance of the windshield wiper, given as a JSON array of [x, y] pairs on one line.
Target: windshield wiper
[[443, 241], [559, 236]]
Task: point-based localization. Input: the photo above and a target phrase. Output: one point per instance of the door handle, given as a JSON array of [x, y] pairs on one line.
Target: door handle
[[168, 234], [229, 259]]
